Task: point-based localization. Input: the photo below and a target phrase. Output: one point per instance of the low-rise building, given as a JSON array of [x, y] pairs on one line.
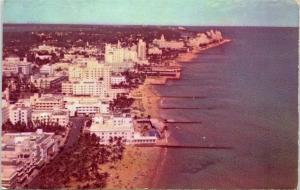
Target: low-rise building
[[106, 127], [45, 48], [117, 79], [22, 154], [19, 113], [48, 82], [46, 102], [47, 70], [61, 117], [173, 44], [111, 126], [13, 65], [154, 50], [85, 105]]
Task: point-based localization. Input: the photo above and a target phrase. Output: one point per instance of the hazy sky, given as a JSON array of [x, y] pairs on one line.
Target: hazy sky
[[162, 12]]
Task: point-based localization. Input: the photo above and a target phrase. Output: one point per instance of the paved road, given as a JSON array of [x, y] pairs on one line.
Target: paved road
[[74, 134], [73, 137]]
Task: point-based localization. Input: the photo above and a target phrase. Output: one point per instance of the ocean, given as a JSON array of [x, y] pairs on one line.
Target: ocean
[[248, 101]]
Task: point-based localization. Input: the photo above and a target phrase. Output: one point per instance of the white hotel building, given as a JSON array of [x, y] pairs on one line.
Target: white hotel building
[[106, 127], [141, 50], [84, 88], [115, 54], [163, 43], [90, 70], [85, 105]]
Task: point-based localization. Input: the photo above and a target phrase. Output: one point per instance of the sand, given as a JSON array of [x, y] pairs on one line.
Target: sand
[[148, 104], [138, 166], [135, 170]]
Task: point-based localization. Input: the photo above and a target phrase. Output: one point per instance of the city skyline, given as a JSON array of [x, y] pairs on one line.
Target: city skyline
[[169, 12]]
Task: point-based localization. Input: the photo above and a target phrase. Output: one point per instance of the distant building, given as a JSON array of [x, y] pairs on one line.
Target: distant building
[[13, 65], [47, 70], [117, 79], [115, 54], [154, 51], [45, 48], [200, 39], [141, 50], [43, 57], [5, 111], [23, 153], [163, 43], [48, 82]]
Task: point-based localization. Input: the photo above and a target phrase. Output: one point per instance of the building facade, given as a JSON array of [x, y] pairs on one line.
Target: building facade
[[61, 117], [13, 65], [115, 54], [141, 50], [23, 154], [86, 106], [19, 113], [46, 102], [112, 126]]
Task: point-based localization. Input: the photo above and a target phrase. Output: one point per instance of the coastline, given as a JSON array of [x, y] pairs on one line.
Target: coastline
[[141, 165]]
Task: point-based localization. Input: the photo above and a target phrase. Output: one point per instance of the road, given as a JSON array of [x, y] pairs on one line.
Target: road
[[75, 131]]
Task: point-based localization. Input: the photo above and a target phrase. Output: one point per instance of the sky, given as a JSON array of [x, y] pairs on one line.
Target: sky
[[154, 12]]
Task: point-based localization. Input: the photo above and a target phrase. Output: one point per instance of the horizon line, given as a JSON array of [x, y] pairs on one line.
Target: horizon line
[[162, 25]]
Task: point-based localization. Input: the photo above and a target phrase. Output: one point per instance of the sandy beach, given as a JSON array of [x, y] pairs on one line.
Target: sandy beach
[[140, 165], [148, 100], [135, 170]]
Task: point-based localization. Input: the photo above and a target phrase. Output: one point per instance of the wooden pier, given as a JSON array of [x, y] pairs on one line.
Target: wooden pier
[[183, 122], [184, 97], [186, 108], [174, 146]]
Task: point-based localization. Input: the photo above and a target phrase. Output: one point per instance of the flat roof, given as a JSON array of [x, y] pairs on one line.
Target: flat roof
[[8, 171], [105, 128]]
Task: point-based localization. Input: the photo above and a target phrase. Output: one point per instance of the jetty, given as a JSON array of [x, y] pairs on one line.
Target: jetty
[[184, 97], [186, 108], [191, 146], [182, 122]]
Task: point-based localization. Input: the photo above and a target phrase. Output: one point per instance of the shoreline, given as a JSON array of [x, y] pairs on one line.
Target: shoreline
[[143, 168]]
